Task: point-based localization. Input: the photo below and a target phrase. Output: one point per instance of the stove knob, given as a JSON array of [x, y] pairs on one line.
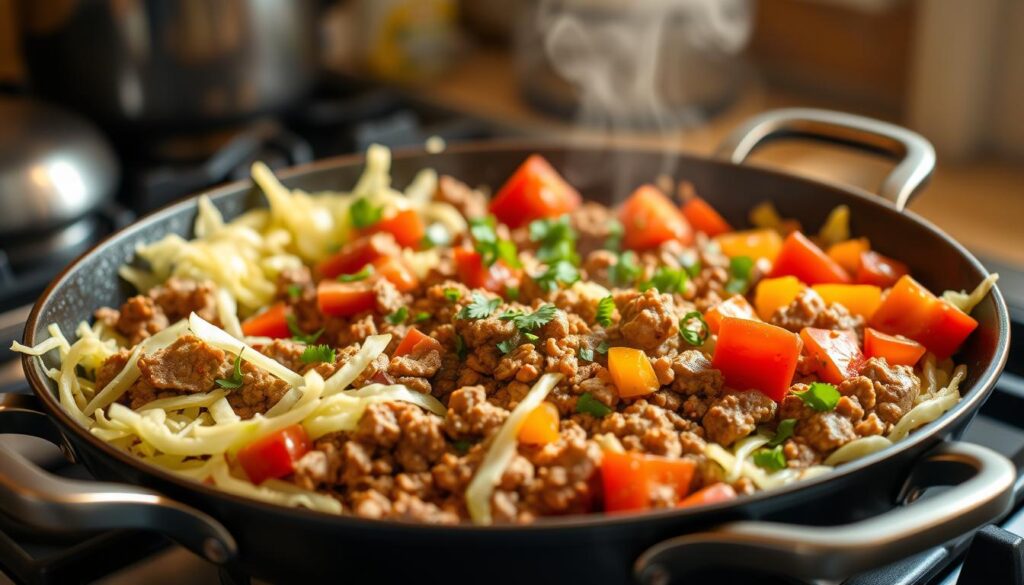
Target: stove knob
[[996, 557]]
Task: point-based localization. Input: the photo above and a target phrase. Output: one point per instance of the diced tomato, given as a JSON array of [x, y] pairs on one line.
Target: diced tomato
[[631, 371], [534, 191], [836, 354], [879, 270], [847, 253], [774, 293], [274, 455], [704, 218], [270, 323], [344, 299], [911, 310], [734, 306], [472, 272], [712, 494], [631, 479], [355, 255], [649, 219], [755, 244], [801, 258], [406, 226], [413, 338], [756, 356], [897, 351], [540, 426], [395, 271], [860, 299]]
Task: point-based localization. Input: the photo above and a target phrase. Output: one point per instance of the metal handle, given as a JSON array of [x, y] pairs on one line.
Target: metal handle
[[915, 154], [45, 501], [834, 552]]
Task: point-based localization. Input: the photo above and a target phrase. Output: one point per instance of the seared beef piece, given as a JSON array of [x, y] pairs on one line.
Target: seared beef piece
[[895, 388], [259, 392], [144, 315], [648, 318], [470, 202], [139, 317], [111, 368], [187, 365], [295, 286], [689, 373], [809, 310], [642, 426], [523, 363], [591, 222], [470, 415], [179, 297], [288, 353], [736, 415]]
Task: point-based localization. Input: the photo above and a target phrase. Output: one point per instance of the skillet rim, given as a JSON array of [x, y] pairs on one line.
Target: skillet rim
[[976, 395]]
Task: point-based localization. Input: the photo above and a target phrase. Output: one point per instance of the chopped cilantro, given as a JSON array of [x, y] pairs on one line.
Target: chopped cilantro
[[605, 308], [235, 381], [691, 263], [782, 432], [462, 446], [770, 459], [561, 271], [615, 231], [363, 213], [530, 336], [740, 268], [452, 294], [602, 347], [434, 236], [318, 353], [695, 337], [625, 271], [460, 347], [557, 240], [294, 292], [480, 308], [398, 316], [666, 280], [421, 317], [489, 245], [509, 344], [363, 274], [530, 321], [585, 353], [820, 396], [300, 335], [586, 403]]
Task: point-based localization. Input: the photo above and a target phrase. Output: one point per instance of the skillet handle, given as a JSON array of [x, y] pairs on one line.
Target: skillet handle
[[915, 154], [983, 493], [45, 501]]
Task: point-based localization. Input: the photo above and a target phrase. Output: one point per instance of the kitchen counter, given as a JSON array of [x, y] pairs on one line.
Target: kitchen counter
[[980, 203]]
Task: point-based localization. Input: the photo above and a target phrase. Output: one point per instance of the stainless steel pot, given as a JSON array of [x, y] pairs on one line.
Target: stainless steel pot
[[163, 63]]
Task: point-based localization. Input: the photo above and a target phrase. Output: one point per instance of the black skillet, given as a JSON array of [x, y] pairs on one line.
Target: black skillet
[[827, 527]]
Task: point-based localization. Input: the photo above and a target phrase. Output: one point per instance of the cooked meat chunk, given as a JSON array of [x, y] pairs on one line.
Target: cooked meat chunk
[[289, 354], [111, 367], [642, 426], [896, 388], [138, 318], [417, 365], [591, 222], [471, 415], [470, 202], [736, 415], [179, 297], [648, 319], [188, 365], [260, 391], [825, 431], [809, 310], [693, 374]]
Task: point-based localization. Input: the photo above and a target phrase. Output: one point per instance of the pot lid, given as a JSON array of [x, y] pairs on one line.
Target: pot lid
[[54, 166]]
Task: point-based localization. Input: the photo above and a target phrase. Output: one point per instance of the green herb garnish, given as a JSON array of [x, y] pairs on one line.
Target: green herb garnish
[[625, 271], [585, 353], [820, 396], [602, 347], [481, 307], [691, 263], [530, 321], [452, 294], [605, 308], [363, 213], [586, 403], [783, 432], [294, 292], [770, 459], [740, 268], [695, 337], [508, 345], [435, 236], [318, 353], [557, 240], [561, 272], [460, 347], [300, 335], [421, 317], [615, 232], [398, 316], [363, 274], [489, 245], [235, 381], [666, 280]]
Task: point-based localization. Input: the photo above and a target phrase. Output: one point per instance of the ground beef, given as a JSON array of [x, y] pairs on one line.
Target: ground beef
[[736, 415], [139, 317], [563, 473], [809, 310], [470, 202], [591, 222], [689, 373], [596, 266], [260, 391], [487, 332], [187, 365], [111, 367], [825, 431], [523, 363], [470, 415], [288, 353], [421, 364], [648, 319], [642, 426], [295, 287], [388, 299], [180, 297], [895, 388]]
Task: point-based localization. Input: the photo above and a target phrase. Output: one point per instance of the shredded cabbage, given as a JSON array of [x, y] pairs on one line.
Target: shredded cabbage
[[930, 409], [227, 313], [741, 451], [858, 448], [966, 302], [199, 399], [373, 346], [275, 492], [502, 450], [342, 411]]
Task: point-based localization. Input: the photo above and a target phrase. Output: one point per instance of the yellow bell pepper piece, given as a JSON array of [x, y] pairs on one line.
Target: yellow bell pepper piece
[[860, 299], [847, 253], [631, 371], [773, 293], [762, 243], [540, 427]]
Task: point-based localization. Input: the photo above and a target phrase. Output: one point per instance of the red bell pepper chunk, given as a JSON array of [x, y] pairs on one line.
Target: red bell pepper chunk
[[836, 354], [630, 480], [413, 339], [470, 267], [649, 219], [756, 356], [395, 271], [911, 310], [712, 494], [947, 329], [704, 218], [801, 258], [897, 351], [734, 306], [355, 255], [534, 191], [274, 455], [406, 226], [271, 323], [344, 299], [879, 270]]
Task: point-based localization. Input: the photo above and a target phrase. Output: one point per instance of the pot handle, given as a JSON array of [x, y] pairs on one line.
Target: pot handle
[[915, 154], [983, 493], [45, 501]]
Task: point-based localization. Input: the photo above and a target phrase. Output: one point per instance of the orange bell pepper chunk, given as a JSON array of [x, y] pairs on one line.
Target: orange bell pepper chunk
[[897, 351], [344, 299], [406, 226], [395, 271], [755, 244], [847, 253], [860, 299], [712, 494], [836, 354], [630, 479], [540, 427], [879, 270], [803, 259], [704, 218], [413, 338], [773, 293], [270, 323], [470, 267], [534, 191], [911, 310], [734, 306], [756, 356], [947, 329], [649, 219], [631, 371]]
